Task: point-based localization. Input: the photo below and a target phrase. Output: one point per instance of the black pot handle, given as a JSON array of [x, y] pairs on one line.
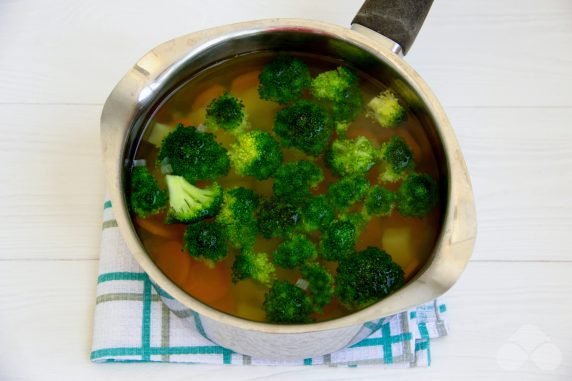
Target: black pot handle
[[398, 20]]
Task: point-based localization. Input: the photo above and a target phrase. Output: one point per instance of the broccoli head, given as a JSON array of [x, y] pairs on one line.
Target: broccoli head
[[256, 153], [317, 213], [294, 252], [379, 202], [338, 240], [320, 285], [304, 125], [237, 214], [251, 265], [194, 155], [146, 197], [397, 158], [238, 202], [341, 87], [358, 219], [367, 277], [277, 218], [294, 180], [417, 195], [286, 303], [226, 112], [188, 204], [284, 79], [348, 190], [386, 110], [342, 128], [206, 241], [349, 157]]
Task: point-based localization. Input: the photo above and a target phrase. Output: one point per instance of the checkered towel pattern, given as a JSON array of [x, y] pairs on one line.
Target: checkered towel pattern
[[132, 324]]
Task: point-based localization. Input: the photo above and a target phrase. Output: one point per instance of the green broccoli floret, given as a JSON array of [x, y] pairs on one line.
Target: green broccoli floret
[[206, 241], [385, 108], [367, 277], [347, 191], [226, 112], [397, 158], [342, 128], [338, 240], [349, 157], [238, 202], [277, 218], [237, 214], [294, 252], [358, 219], [379, 202], [317, 213], [284, 79], [146, 197], [188, 204], [304, 125], [194, 155], [294, 180], [341, 87], [256, 153], [286, 303], [417, 196], [320, 285], [251, 265]]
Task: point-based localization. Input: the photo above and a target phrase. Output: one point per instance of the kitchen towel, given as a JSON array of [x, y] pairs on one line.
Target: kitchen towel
[[133, 325]]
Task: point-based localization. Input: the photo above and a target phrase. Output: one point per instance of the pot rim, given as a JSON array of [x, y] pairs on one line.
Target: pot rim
[[452, 249]]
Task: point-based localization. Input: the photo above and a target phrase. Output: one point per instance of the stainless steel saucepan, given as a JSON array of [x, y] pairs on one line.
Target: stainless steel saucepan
[[382, 32]]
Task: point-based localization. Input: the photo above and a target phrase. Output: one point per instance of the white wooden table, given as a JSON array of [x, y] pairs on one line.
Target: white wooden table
[[502, 69]]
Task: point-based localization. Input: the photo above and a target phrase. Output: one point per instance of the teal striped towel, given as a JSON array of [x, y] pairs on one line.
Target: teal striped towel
[[133, 325]]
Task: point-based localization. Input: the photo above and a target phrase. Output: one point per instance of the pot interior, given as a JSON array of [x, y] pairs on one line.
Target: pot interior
[[302, 40], [293, 40]]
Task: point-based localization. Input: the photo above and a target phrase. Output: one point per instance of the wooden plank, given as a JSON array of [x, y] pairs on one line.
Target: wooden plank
[[51, 181], [47, 309], [509, 53], [497, 53], [75, 52], [492, 307], [519, 160]]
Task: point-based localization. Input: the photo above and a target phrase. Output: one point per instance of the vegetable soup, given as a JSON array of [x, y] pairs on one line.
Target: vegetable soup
[[286, 188]]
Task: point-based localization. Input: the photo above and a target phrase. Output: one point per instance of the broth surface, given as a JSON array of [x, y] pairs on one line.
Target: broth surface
[[409, 241]]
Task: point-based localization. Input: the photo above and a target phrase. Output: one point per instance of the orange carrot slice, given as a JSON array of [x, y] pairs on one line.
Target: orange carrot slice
[[203, 99], [244, 82], [226, 304], [412, 268], [171, 258], [207, 284], [156, 226], [371, 234], [330, 311]]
